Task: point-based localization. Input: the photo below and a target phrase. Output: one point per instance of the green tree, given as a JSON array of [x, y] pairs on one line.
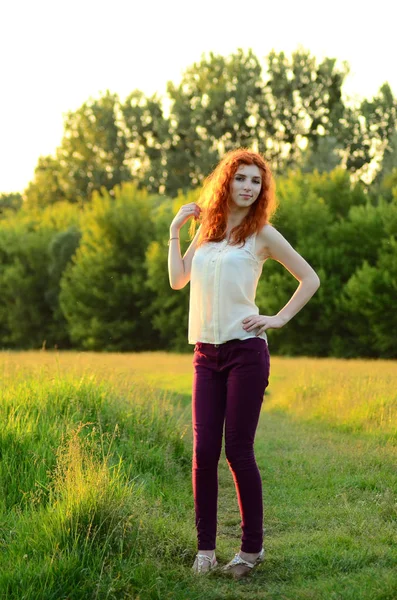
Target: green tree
[[25, 316], [385, 183], [62, 248], [389, 161], [380, 115], [91, 156], [368, 298], [29, 279], [368, 302], [147, 133], [350, 243], [302, 103], [10, 202], [323, 156], [46, 187], [103, 295]]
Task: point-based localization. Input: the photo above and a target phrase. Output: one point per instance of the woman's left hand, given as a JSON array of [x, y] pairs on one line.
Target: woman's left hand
[[262, 322]]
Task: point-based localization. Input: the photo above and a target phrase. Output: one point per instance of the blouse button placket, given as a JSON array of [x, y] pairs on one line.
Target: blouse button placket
[[217, 261]]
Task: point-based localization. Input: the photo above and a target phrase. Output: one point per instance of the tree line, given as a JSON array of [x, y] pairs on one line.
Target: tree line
[[83, 254], [96, 278]]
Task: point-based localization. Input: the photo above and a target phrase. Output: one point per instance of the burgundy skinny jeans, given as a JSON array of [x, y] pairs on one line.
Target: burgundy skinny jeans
[[228, 386]]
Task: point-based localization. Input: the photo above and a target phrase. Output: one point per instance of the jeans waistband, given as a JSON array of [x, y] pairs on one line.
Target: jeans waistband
[[228, 343]]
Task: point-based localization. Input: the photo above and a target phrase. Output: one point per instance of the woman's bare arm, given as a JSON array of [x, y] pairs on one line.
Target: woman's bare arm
[[281, 250], [179, 268]]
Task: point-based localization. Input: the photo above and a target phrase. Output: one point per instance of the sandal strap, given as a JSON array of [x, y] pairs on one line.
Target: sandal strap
[[202, 557], [237, 560]]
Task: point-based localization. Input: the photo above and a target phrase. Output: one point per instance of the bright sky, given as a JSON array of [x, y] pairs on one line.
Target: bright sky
[[57, 54]]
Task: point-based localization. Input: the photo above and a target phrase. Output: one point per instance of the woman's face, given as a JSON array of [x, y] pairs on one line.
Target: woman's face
[[246, 186]]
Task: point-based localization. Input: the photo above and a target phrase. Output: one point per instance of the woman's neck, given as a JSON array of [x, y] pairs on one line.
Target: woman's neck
[[231, 224], [235, 218]]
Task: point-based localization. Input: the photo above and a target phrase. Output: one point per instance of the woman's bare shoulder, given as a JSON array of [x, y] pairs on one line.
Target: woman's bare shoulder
[[268, 231], [266, 235]]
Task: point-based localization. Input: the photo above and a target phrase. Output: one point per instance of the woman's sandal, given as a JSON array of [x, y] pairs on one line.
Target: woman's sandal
[[239, 567], [201, 559]]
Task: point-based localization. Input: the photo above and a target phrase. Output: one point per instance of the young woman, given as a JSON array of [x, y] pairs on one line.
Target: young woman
[[231, 357]]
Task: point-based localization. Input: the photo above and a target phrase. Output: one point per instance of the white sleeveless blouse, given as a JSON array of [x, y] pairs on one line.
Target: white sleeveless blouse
[[223, 284]]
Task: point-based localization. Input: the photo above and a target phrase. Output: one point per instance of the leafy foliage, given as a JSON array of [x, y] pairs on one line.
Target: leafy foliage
[[293, 111], [91, 155], [103, 294]]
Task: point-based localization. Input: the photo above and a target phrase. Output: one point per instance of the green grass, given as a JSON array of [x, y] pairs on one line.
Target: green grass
[[95, 482]]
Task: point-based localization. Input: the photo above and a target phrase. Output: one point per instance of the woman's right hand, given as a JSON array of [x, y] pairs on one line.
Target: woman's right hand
[[184, 214]]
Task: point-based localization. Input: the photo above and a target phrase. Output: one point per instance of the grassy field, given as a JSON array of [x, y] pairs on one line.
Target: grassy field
[[96, 499]]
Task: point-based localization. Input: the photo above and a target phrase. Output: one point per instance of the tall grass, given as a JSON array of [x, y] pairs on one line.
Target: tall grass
[[87, 480]]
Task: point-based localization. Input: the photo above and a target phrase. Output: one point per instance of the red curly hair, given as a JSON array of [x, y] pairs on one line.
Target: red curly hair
[[215, 194]]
